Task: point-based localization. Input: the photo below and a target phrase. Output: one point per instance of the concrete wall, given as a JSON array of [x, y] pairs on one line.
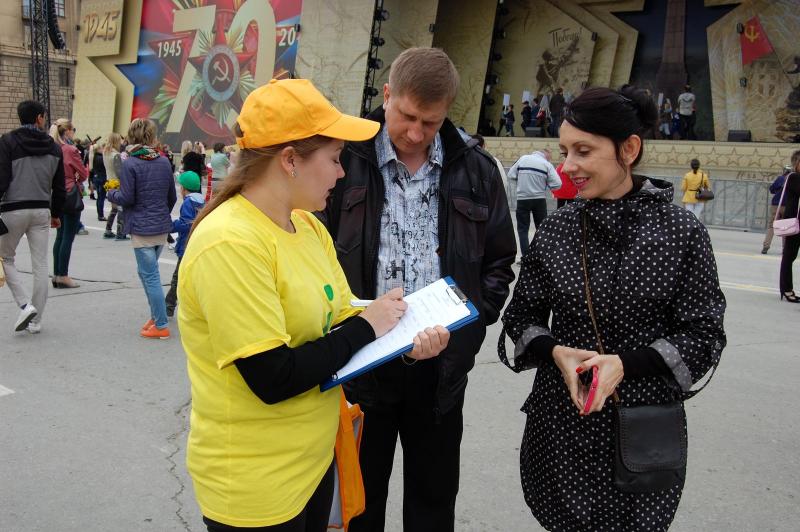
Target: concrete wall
[[333, 47], [408, 26], [739, 161], [466, 36]]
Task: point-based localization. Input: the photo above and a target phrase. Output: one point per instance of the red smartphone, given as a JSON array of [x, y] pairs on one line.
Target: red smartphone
[[592, 389]]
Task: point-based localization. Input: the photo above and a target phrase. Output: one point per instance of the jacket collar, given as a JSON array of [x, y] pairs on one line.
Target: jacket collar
[[452, 142]]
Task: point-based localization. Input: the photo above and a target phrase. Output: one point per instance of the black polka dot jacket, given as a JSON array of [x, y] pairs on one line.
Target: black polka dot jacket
[[654, 285]]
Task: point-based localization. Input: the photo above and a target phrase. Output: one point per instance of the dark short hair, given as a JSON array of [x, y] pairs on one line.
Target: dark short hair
[[29, 110], [219, 147], [479, 138], [613, 114]]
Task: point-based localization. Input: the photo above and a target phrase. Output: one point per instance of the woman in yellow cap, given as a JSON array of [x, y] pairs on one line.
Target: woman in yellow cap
[[265, 318]]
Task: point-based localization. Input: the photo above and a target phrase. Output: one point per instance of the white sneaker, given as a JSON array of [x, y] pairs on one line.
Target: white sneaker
[[34, 327], [27, 313]]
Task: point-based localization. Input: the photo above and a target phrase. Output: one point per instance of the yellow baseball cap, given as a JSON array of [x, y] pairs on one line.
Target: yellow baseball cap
[[293, 109]]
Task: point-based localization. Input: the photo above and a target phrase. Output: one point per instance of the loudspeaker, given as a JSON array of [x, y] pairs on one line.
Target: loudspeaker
[[739, 135], [533, 131]]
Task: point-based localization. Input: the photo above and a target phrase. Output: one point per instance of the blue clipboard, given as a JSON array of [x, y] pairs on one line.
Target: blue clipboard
[[473, 315]]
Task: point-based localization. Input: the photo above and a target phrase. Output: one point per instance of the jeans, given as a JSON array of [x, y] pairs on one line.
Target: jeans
[[101, 196], [696, 208], [510, 129], [172, 295], [147, 268], [35, 225], [62, 247], [791, 244], [526, 208]]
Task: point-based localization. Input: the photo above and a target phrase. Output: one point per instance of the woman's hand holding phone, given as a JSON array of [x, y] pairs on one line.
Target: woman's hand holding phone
[[567, 359], [607, 373]]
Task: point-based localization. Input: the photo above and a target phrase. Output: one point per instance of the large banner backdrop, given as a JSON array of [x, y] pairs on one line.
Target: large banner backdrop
[[198, 60]]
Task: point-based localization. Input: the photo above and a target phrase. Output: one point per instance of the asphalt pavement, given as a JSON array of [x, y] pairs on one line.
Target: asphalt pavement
[[93, 418]]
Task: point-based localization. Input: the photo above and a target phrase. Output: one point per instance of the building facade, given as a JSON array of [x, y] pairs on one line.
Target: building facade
[[15, 60]]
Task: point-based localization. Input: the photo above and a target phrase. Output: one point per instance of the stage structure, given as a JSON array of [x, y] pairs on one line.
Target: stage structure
[[43, 23], [189, 64]]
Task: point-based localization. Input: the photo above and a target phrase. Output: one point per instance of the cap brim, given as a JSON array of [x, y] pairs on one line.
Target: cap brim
[[351, 128]]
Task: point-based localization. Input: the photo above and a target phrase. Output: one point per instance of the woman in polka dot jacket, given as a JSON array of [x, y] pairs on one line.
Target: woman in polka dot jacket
[[658, 304]]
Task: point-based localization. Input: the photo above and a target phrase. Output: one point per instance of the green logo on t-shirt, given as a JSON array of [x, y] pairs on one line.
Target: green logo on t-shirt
[[329, 294]]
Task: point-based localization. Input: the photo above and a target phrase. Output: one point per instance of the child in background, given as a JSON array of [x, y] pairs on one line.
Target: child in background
[[193, 201]]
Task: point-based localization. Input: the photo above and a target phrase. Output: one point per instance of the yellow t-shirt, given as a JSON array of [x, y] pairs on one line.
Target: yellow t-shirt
[[247, 286]]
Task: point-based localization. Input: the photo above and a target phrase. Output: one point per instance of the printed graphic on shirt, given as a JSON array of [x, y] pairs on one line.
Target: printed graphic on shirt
[[328, 294], [409, 221]]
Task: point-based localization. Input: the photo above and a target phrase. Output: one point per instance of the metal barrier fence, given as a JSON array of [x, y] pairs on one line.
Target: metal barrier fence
[[737, 204]]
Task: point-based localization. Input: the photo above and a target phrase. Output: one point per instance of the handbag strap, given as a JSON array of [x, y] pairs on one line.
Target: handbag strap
[[703, 179], [587, 287], [590, 304], [780, 202], [588, 290]]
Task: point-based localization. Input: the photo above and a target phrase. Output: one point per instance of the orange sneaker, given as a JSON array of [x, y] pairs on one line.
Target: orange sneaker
[[148, 324], [155, 332]]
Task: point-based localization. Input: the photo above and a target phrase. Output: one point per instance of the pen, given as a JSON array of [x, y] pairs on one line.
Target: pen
[[360, 302]]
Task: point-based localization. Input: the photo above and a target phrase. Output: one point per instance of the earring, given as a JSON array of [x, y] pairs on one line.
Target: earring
[[294, 174]]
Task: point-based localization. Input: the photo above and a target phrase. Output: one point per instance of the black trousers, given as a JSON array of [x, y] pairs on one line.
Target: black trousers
[[687, 126], [171, 299], [313, 518], [526, 208], [403, 407], [101, 197], [791, 244]]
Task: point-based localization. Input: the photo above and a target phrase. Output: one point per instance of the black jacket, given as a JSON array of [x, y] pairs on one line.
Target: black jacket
[[476, 241], [31, 172]]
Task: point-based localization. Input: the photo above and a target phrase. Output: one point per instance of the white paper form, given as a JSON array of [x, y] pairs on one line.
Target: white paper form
[[436, 304]]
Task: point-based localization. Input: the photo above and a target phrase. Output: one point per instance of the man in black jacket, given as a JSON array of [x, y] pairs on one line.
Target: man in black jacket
[[31, 196], [418, 202]]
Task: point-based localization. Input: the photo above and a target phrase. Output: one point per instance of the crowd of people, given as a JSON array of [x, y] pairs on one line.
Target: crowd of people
[[48, 172], [263, 289], [545, 113]]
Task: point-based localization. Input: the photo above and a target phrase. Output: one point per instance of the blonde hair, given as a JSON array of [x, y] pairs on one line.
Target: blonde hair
[[425, 74], [142, 131], [113, 143], [250, 166], [59, 129], [186, 147]]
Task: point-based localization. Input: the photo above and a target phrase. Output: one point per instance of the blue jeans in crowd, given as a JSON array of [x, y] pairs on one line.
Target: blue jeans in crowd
[[147, 268], [62, 247]]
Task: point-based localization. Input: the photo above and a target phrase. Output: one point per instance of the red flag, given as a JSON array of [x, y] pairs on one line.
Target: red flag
[[754, 41]]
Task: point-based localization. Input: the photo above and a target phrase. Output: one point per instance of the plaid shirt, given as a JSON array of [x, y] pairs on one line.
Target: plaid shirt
[[410, 219]]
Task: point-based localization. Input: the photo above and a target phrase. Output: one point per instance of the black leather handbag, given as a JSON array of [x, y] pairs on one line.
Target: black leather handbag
[[651, 447], [703, 193], [650, 440], [73, 202]]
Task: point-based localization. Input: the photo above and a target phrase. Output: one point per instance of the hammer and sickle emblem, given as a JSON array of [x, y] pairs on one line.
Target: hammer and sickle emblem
[[222, 75], [751, 34]]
